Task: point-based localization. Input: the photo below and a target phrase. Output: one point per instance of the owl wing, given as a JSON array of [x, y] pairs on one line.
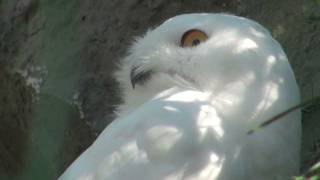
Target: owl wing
[[181, 135]]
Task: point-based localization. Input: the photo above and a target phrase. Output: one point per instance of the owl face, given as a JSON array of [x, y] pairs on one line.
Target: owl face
[[202, 49], [209, 52]]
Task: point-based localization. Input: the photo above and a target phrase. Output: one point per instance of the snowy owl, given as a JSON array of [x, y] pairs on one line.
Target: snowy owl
[[192, 88]]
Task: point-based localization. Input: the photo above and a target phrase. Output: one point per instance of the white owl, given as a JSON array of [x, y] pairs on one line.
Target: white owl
[[192, 88]]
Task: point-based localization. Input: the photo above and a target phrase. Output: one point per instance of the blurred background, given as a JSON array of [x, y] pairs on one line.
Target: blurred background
[[57, 57]]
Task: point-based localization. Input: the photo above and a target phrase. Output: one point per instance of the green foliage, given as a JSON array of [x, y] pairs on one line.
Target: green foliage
[[317, 2], [312, 102]]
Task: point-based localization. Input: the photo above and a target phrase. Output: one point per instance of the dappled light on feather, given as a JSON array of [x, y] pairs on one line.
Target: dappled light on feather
[[188, 104]]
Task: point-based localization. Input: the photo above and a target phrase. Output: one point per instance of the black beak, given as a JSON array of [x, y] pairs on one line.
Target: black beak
[[139, 77]]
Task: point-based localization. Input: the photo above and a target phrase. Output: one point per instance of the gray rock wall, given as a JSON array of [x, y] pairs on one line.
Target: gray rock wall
[[57, 58]]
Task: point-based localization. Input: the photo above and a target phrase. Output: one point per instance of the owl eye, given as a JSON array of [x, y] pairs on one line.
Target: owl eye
[[193, 38]]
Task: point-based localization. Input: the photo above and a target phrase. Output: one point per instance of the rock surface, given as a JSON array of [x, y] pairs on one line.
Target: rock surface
[[57, 58]]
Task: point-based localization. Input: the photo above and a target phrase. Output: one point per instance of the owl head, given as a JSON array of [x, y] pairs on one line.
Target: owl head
[[225, 55]]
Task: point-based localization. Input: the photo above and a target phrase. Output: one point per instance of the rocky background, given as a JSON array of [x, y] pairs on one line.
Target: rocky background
[[57, 58]]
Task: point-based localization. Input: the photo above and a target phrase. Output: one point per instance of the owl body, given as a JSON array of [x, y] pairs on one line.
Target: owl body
[[188, 105]]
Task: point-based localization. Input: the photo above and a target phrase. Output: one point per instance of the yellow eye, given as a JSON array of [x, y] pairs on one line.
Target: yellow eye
[[192, 38]]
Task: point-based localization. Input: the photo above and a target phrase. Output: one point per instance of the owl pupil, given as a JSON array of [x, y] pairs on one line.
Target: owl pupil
[[195, 42]]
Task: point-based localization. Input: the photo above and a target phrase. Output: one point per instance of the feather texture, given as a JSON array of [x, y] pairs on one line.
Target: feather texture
[[189, 118]]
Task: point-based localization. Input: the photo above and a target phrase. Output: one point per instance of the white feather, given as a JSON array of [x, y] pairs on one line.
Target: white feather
[[194, 126]]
